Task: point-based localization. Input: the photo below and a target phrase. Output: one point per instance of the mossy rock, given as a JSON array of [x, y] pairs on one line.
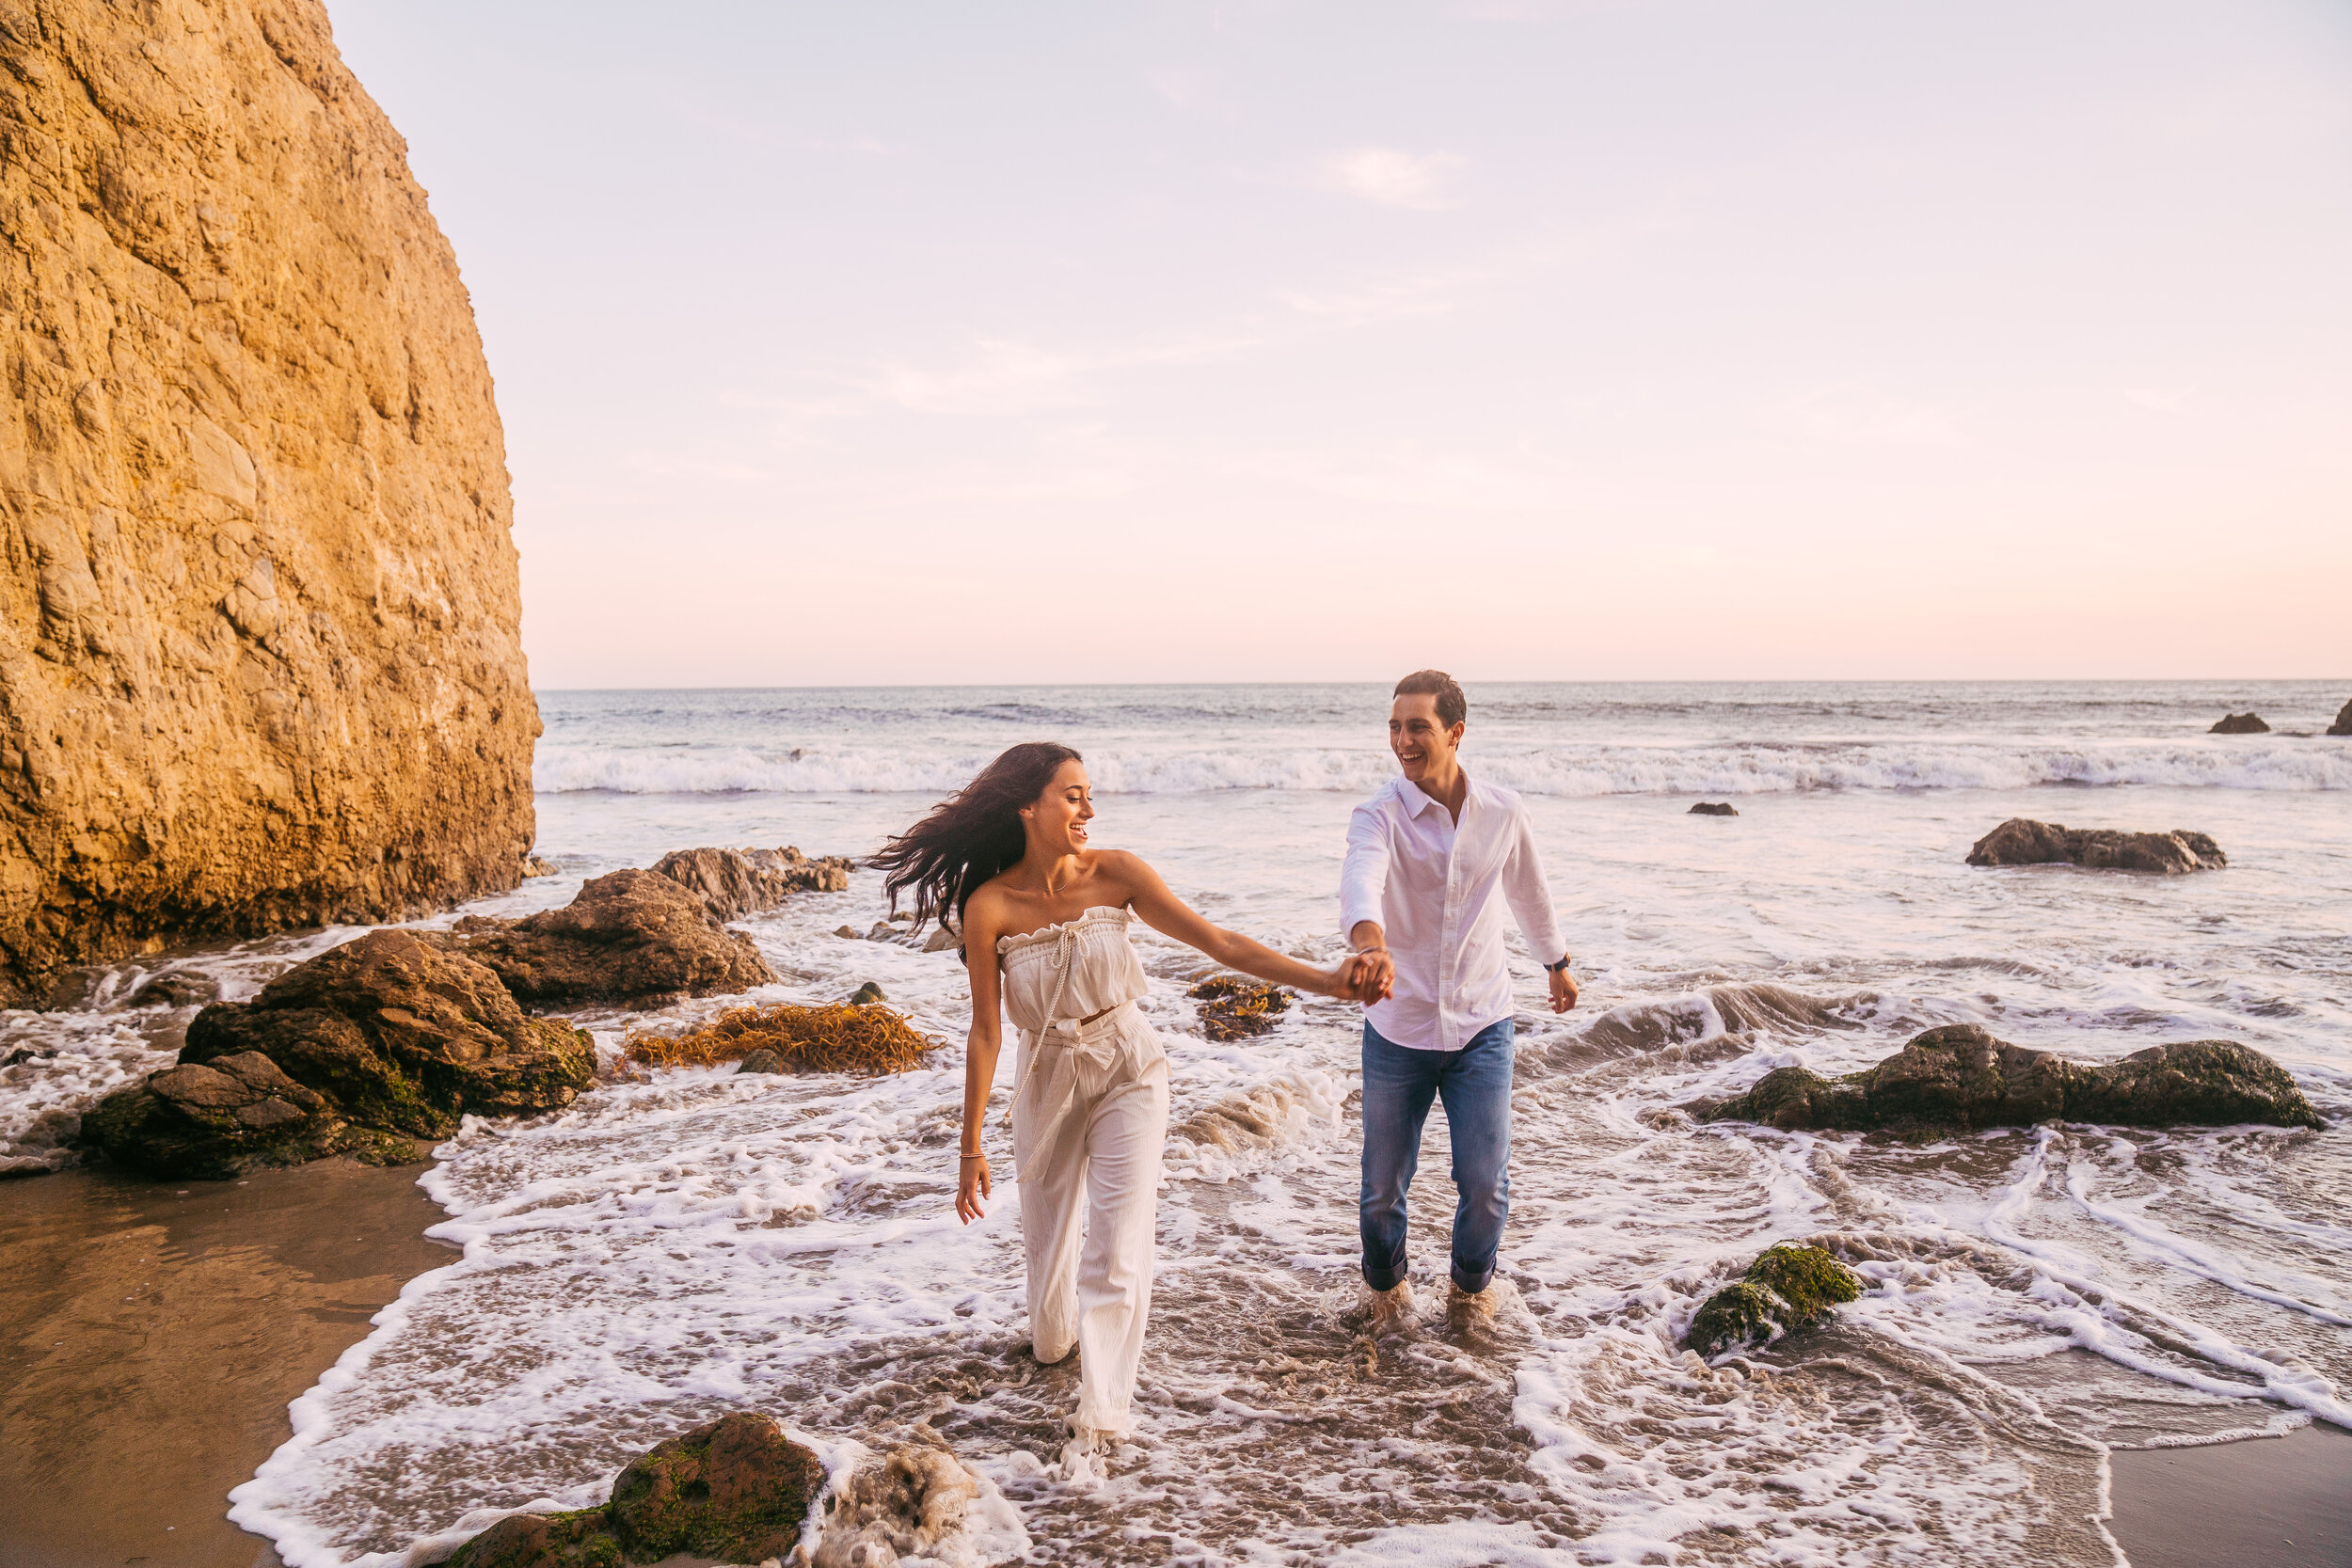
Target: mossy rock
[[1960, 1079], [579, 1540], [1788, 1288], [735, 1489]]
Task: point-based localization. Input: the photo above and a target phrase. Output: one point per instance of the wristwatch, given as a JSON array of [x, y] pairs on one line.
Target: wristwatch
[[1566, 959]]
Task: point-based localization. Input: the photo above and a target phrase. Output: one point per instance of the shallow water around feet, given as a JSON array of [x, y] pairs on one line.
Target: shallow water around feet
[[666, 1250]]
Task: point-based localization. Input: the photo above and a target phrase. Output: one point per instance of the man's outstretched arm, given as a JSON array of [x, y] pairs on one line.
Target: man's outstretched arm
[[1363, 881]]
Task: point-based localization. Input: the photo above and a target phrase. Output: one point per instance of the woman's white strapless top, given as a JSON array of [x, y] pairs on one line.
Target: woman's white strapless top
[[1070, 971], [1071, 988]]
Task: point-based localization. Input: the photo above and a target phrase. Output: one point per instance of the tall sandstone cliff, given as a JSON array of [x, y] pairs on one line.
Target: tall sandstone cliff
[[259, 662]]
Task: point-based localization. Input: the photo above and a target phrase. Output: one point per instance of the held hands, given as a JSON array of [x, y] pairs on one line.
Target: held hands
[[1364, 977], [971, 1186]]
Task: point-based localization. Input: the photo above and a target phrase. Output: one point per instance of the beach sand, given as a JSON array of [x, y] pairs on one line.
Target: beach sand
[[153, 1332], [2280, 1502]]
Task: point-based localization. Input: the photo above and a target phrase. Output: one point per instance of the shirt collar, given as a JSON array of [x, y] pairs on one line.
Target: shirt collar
[[1415, 799]]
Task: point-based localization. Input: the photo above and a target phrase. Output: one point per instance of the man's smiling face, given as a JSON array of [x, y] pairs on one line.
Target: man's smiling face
[[1421, 743]]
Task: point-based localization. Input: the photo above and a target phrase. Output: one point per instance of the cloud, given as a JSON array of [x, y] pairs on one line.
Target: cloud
[[2159, 399], [1385, 176]]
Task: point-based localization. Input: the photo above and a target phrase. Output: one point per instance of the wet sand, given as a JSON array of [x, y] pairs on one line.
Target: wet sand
[[152, 1335], [2280, 1502]]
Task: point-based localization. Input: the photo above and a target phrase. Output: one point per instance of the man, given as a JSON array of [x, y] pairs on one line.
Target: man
[[1431, 860]]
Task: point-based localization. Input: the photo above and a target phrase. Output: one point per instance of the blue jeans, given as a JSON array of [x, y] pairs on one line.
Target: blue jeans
[[1475, 1085]]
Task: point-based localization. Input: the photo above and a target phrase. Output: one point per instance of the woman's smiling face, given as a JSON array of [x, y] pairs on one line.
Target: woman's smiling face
[[1058, 819]]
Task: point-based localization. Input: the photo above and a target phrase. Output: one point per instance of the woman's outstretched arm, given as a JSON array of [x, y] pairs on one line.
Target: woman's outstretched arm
[[1171, 916]]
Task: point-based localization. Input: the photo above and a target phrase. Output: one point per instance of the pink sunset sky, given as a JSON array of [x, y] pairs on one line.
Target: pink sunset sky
[[944, 342]]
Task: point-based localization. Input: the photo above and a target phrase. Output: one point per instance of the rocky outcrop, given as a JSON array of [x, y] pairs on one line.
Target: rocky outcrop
[[2021, 841], [1788, 1288], [379, 1041], [1713, 808], [628, 936], [736, 1490], [1960, 1079], [258, 652], [2343, 722], [218, 1122], [2239, 724], [736, 883]]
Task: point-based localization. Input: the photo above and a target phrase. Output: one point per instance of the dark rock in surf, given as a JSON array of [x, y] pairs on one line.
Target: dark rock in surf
[[736, 1490], [1960, 1079], [2239, 724], [2343, 722], [1788, 1288], [1713, 808], [582, 1539], [629, 936], [870, 991], [355, 1052], [217, 1121], [764, 1060], [736, 883], [2021, 841]]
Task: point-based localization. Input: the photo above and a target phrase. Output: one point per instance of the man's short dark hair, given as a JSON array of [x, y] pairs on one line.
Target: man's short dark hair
[[1452, 708]]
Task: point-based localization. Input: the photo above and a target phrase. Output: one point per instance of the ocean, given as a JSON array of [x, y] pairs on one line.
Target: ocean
[[2037, 1299]]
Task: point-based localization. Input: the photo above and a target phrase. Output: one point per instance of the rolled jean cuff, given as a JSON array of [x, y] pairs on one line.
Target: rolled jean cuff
[[1383, 1279], [1471, 1284]]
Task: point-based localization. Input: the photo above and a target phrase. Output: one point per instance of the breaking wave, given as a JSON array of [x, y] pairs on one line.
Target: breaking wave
[[2292, 763]]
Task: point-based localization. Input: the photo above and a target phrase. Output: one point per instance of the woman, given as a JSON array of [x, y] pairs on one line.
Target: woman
[[1048, 916]]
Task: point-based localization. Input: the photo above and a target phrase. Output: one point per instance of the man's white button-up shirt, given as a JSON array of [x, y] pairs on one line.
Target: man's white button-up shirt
[[1432, 885]]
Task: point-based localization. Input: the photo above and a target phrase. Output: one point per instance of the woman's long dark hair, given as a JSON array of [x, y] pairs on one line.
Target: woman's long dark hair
[[970, 837]]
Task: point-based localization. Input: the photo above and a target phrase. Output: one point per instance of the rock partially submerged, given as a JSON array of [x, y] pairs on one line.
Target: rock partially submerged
[[629, 936], [1713, 808], [1788, 1288], [1960, 1079], [2343, 722], [2021, 841], [736, 883], [2239, 724], [381, 1040], [217, 1121], [735, 1489]]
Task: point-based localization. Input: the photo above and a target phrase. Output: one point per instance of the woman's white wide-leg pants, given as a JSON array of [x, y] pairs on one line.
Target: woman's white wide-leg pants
[[1088, 1129]]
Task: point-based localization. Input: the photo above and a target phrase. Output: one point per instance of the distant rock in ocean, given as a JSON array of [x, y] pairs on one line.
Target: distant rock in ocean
[[2239, 724], [2343, 722], [1713, 808], [2021, 841], [259, 654], [1960, 1079]]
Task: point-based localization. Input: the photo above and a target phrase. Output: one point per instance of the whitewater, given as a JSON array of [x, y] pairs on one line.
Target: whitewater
[[665, 1250]]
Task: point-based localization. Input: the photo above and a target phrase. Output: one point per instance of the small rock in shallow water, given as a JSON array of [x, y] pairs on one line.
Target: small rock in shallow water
[[762, 1060], [736, 1490], [870, 991], [850, 933], [538, 865], [2239, 724], [628, 936], [1958, 1078], [1713, 808], [2021, 841], [1788, 1288]]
